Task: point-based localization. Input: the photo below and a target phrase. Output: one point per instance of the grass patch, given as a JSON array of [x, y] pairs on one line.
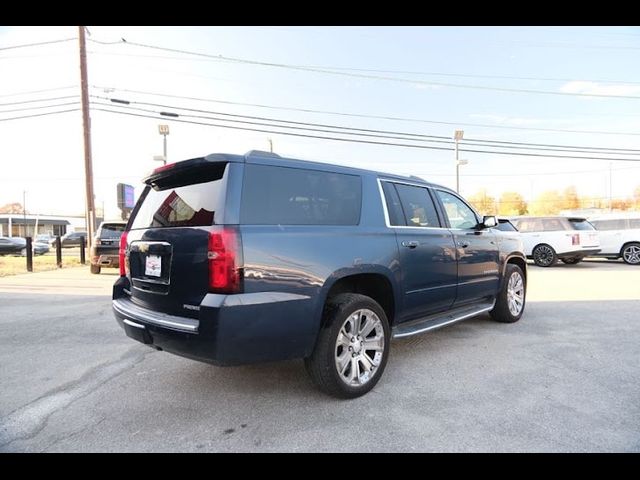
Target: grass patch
[[14, 265]]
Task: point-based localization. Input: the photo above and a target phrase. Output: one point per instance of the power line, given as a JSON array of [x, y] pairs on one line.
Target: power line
[[527, 174], [349, 130], [325, 70], [40, 107], [159, 115], [373, 70], [38, 115], [247, 122], [378, 117], [560, 146], [38, 100], [425, 147], [37, 91], [50, 42]]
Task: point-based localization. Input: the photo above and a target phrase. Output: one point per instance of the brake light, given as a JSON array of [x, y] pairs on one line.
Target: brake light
[[224, 275], [162, 168], [122, 254]]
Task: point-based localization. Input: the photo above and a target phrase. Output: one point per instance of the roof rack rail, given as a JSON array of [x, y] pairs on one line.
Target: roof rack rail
[[261, 153]]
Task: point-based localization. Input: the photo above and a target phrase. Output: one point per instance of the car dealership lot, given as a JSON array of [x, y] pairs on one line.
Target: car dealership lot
[[564, 378]]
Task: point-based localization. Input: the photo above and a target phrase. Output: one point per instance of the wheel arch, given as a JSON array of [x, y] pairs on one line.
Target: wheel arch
[[375, 282], [514, 258]]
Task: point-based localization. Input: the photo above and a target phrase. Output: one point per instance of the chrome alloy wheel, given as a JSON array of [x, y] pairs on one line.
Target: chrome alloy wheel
[[359, 347], [515, 294], [543, 255], [631, 254]]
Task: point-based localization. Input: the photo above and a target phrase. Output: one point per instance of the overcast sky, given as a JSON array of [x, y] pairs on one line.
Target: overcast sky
[[461, 84]]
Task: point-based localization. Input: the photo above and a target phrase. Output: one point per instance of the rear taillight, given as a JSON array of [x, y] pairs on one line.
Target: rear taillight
[[122, 254], [224, 274], [163, 168]]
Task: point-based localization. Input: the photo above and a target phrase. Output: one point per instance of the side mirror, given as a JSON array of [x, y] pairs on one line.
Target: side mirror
[[489, 221]]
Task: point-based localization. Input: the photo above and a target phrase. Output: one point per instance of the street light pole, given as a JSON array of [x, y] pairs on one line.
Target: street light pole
[[457, 136], [164, 146], [164, 131], [610, 193]]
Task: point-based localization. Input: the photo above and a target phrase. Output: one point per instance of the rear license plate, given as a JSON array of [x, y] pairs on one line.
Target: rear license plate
[[153, 266]]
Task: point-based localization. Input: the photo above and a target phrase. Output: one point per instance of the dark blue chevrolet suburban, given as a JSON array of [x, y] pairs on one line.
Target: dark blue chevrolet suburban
[[233, 259]]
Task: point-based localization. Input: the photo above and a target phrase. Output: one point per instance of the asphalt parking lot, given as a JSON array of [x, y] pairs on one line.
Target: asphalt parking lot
[[564, 378]]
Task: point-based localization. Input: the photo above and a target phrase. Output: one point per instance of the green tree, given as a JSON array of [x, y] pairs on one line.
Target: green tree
[[570, 200], [512, 203], [484, 203], [547, 203]]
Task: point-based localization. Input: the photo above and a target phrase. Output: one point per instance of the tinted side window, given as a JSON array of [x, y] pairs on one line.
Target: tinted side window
[[294, 196], [418, 208], [553, 224], [506, 226], [529, 225], [616, 224], [396, 215], [459, 213]]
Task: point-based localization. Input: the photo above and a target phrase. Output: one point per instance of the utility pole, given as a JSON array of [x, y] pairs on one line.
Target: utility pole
[[24, 212], [86, 125]]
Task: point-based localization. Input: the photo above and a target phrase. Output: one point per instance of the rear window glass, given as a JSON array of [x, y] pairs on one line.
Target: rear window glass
[[581, 224], [190, 203], [293, 196], [112, 231]]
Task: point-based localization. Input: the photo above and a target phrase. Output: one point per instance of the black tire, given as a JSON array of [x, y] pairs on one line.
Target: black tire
[[95, 269], [571, 261], [544, 255], [321, 365], [629, 253], [501, 312]]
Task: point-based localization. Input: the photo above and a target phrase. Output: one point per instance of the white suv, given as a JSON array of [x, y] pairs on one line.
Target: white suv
[[619, 236], [547, 239]]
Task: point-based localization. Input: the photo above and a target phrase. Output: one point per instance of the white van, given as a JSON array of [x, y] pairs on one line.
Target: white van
[[547, 239], [619, 236]]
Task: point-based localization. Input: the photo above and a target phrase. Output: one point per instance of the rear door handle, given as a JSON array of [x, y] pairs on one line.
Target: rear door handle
[[411, 244]]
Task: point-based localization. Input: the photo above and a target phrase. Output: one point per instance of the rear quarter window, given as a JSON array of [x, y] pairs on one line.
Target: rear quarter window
[[295, 196], [553, 224]]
